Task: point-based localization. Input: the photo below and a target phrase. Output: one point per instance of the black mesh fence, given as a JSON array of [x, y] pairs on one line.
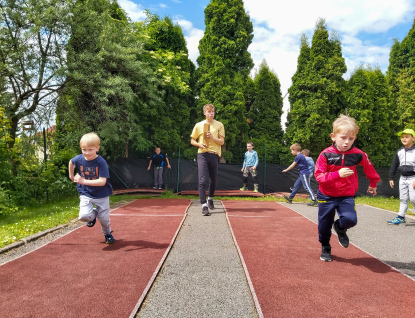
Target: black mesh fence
[[132, 173]]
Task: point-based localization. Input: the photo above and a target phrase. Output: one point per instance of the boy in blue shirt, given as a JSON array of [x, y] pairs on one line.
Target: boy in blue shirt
[[93, 185], [310, 163], [249, 166], [303, 177]]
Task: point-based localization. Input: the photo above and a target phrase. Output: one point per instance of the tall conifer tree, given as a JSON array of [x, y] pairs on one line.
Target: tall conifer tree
[[224, 65], [318, 91]]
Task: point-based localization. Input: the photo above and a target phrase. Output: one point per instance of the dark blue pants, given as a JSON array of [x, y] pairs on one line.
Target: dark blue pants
[[327, 206], [303, 179], [207, 166]]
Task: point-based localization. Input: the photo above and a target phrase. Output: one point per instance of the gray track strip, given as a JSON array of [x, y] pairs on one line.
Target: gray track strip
[[203, 275]]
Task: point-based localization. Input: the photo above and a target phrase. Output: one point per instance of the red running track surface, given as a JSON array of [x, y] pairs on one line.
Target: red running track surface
[[281, 252], [79, 275]]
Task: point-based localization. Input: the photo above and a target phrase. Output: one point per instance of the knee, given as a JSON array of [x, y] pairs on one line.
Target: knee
[[86, 217], [348, 221]]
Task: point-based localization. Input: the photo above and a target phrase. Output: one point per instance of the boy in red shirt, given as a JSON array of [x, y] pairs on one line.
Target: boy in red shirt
[[338, 183]]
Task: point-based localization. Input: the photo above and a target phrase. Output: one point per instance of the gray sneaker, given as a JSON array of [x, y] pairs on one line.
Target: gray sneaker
[[210, 204], [205, 211], [288, 199]]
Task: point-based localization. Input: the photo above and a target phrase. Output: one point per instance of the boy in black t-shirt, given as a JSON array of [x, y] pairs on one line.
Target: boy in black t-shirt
[[158, 160]]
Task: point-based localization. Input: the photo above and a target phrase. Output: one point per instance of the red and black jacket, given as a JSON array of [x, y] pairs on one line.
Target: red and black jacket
[[331, 160]]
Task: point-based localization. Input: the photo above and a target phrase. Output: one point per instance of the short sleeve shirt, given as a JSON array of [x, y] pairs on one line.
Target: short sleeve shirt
[[302, 163], [92, 170], [216, 129]]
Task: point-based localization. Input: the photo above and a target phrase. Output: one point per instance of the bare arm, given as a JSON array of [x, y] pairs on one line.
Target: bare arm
[[197, 144], [220, 140], [71, 168], [97, 182], [168, 163], [149, 165], [290, 167]]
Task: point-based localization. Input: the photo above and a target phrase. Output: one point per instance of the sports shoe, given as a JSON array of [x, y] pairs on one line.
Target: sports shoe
[[160, 188], [255, 190], [288, 199], [397, 221], [313, 203], [205, 211], [243, 189], [210, 204], [341, 235], [326, 253], [91, 223], [109, 239]]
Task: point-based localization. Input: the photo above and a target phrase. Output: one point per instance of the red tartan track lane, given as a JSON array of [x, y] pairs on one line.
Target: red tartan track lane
[[281, 252], [80, 276]]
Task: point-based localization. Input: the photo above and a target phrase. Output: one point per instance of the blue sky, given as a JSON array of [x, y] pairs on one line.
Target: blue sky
[[366, 27]]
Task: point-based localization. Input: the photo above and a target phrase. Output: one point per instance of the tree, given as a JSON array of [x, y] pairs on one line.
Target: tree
[[368, 103], [170, 127], [317, 94], [33, 34], [266, 111], [112, 82], [400, 75], [224, 65]]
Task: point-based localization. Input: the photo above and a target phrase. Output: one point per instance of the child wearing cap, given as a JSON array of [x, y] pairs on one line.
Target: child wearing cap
[[404, 162]]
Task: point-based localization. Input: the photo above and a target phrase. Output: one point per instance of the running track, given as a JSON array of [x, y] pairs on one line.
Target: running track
[[281, 253], [80, 276]]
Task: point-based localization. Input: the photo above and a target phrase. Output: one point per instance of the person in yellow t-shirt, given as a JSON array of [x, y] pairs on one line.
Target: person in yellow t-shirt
[[209, 142]]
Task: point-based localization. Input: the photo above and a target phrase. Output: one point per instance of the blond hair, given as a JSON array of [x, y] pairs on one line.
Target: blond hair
[[208, 107], [345, 124], [295, 147], [90, 139]]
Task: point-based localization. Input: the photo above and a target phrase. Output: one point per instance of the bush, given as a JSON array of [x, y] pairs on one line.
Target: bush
[[7, 206]]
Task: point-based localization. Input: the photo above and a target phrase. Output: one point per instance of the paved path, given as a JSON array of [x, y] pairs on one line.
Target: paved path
[[203, 275]]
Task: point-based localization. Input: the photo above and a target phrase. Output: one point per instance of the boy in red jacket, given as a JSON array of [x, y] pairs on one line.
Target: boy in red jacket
[[338, 183]]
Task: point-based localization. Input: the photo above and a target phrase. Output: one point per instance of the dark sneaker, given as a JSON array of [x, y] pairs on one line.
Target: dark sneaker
[[326, 254], [210, 204], [91, 223], [312, 203], [341, 235], [205, 211], [109, 239], [288, 199]]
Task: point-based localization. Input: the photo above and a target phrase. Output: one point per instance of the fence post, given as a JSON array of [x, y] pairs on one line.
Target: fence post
[[265, 170], [178, 173]]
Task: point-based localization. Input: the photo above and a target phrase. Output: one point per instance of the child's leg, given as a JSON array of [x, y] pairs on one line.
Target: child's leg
[[103, 215], [326, 212], [412, 191], [86, 209], [155, 177], [253, 174], [160, 177], [346, 210], [245, 176], [405, 185], [296, 187], [306, 185]]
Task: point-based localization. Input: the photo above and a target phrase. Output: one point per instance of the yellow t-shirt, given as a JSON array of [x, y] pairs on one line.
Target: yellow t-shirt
[[216, 128]]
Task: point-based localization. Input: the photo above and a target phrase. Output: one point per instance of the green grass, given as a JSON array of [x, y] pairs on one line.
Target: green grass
[[30, 220]]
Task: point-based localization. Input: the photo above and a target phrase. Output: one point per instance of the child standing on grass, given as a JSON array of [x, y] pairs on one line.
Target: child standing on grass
[[404, 162], [157, 160], [93, 185], [338, 183], [303, 177], [249, 166]]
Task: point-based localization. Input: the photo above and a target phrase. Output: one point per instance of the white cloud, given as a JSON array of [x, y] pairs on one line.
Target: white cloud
[[135, 11], [163, 6], [278, 27], [192, 36]]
